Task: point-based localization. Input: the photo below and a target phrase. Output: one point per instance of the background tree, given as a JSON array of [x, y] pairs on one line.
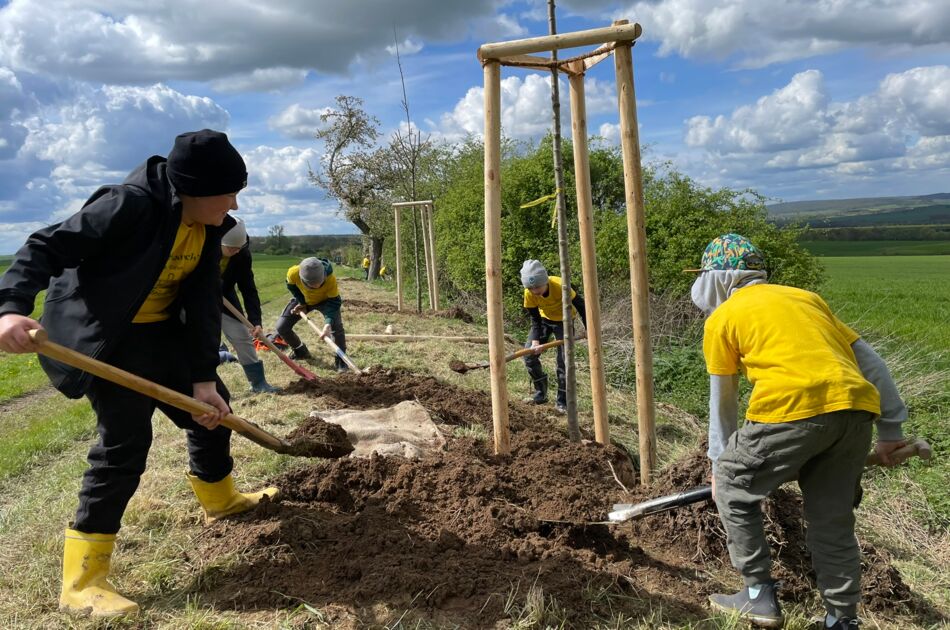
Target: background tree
[[349, 170], [276, 241]]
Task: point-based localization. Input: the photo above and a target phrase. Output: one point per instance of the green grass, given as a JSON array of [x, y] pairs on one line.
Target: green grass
[[877, 248], [902, 307], [37, 434], [906, 298], [19, 374]]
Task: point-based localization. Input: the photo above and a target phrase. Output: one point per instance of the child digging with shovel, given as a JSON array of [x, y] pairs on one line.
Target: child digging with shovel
[[818, 390], [236, 273], [542, 302], [313, 286], [133, 279]]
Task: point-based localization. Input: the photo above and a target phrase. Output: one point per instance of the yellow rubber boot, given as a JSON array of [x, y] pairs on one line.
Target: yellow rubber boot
[[221, 499], [86, 560]]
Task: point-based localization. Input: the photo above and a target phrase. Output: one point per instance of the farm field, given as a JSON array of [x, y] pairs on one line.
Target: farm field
[[334, 555], [877, 248]]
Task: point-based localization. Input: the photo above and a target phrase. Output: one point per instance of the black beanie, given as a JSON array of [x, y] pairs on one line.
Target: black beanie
[[203, 163]]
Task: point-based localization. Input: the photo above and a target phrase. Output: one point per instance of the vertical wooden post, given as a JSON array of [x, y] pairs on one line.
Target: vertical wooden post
[[636, 242], [425, 252], [585, 216], [435, 264], [493, 293], [398, 262]]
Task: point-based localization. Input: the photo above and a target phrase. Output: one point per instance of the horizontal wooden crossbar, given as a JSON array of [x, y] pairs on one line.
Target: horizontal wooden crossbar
[[547, 43]]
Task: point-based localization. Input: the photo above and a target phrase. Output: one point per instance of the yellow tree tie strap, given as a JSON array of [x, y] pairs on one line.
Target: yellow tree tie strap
[[540, 200]]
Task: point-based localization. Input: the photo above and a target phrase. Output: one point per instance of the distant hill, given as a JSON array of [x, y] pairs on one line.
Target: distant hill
[[868, 211]]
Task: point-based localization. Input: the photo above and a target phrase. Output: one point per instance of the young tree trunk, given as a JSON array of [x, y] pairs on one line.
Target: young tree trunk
[[570, 372]]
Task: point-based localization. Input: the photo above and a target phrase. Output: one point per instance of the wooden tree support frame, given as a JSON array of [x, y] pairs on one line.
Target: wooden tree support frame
[[616, 39], [428, 243]]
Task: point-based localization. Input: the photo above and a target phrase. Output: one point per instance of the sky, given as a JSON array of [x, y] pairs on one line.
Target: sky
[[798, 99]]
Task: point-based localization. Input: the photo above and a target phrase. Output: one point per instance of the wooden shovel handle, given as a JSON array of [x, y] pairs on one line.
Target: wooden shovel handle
[[526, 351], [153, 390], [335, 348], [919, 448], [307, 374]]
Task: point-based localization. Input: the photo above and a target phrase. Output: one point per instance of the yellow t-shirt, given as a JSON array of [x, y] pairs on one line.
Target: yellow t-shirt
[[366, 263], [181, 261], [549, 305], [793, 350], [327, 290]]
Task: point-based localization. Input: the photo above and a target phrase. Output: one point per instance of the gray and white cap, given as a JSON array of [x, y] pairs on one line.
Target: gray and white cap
[[312, 272], [533, 274]]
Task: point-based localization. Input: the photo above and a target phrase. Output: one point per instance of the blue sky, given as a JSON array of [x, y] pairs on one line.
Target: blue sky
[[799, 99]]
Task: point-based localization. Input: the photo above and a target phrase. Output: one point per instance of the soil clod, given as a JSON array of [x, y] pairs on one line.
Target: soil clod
[[318, 438]]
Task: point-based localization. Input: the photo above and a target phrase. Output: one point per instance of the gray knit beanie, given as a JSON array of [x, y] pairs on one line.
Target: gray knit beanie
[[236, 236], [533, 274], [312, 272]]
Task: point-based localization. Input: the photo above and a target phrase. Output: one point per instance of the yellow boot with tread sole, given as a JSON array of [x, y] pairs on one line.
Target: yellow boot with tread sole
[[86, 561], [222, 499]]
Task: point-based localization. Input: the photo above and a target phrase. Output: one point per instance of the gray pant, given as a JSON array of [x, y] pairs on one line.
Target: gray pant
[[240, 338], [533, 361], [287, 321], [826, 453]]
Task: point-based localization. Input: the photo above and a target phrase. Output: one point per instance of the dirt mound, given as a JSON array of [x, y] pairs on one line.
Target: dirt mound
[[371, 307], [379, 307], [447, 403], [317, 438], [466, 538]]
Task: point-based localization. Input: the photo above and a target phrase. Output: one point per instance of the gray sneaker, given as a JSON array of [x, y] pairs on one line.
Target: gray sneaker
[[763, 611]]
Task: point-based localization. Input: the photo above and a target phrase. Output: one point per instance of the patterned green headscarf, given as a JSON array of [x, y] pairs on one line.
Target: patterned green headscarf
[[731, 251]]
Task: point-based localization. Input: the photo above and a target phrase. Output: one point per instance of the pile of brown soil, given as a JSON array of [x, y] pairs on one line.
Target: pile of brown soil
[[445, 402], [369, 307], [466, 538], [380, 307]]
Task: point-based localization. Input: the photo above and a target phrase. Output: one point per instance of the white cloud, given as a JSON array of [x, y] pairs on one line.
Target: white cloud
[[610, 132], [788, 118], [407, 47], [897, 130], [761, 32], [280, 169], [245, 45], [260, 80], [525, 107], [86, 138], [297, 122]]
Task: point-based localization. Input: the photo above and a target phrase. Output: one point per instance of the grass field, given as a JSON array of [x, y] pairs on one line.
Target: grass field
[[900, 304], [877, 248]]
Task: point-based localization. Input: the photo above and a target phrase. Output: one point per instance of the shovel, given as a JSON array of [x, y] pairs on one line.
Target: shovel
[[301, 447], [627, 511], [333, 346], [462, 368], [305, 373]]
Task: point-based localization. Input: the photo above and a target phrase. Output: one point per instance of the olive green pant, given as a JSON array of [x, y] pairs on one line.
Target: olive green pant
[[826, 453]]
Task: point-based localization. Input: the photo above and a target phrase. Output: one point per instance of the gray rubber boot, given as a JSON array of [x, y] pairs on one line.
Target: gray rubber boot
[[763, 610], [255, 376]]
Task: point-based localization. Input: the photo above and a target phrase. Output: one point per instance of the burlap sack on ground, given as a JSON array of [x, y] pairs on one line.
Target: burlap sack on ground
[[405, 429]]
